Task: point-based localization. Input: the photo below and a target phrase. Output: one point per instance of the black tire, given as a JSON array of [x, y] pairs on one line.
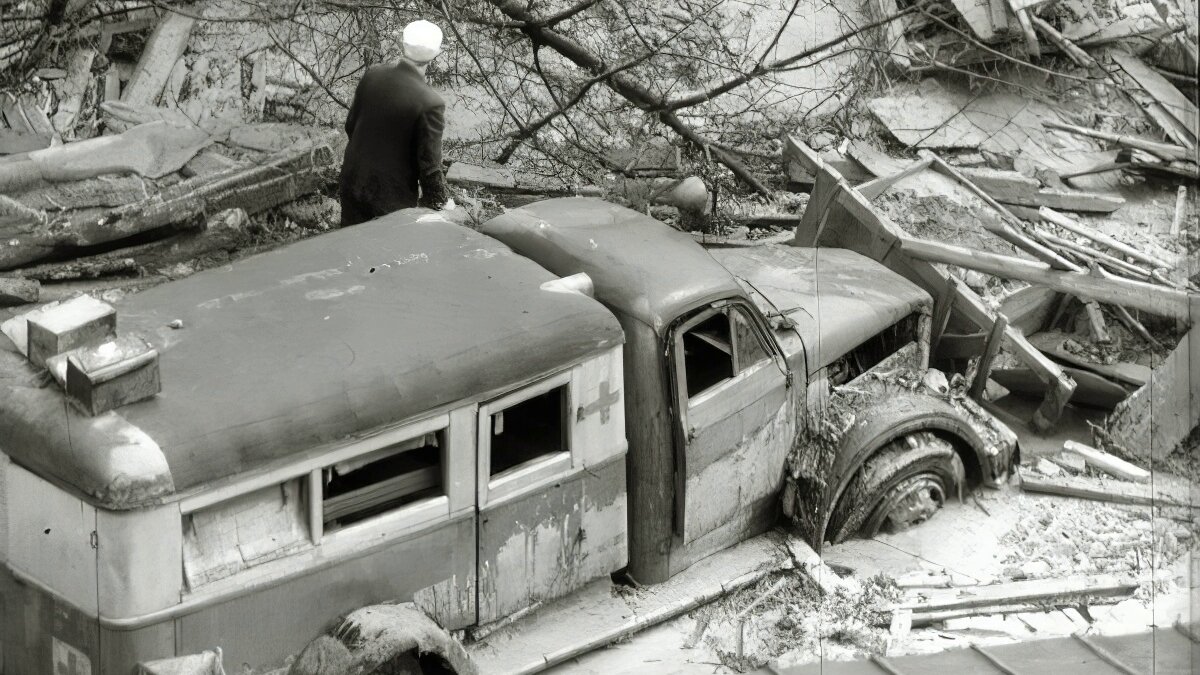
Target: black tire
[[915, 464]]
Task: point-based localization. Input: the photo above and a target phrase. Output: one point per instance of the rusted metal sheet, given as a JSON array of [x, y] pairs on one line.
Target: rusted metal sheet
[[1164, 651], [364, 310], [641, 267], [836, 298], [545, 543]]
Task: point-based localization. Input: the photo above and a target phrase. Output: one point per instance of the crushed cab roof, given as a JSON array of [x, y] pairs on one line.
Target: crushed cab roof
[[309, 344], [640, 267]]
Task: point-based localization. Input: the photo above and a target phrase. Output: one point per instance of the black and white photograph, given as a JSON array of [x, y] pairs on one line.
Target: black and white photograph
[[599, 337]]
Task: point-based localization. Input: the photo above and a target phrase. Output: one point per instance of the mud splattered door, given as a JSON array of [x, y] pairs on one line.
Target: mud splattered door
[[735, 424], [551, 487]]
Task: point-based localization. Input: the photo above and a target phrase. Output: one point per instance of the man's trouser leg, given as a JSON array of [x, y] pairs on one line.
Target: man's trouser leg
[[354, 211]]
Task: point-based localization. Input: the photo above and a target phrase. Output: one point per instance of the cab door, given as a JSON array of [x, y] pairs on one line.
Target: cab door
[[734, 423]]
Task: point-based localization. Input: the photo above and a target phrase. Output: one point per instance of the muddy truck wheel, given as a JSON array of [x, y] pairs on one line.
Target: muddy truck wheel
[[899, 487]]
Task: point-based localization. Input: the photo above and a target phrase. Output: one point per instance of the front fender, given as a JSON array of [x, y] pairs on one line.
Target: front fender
[[988, 447]]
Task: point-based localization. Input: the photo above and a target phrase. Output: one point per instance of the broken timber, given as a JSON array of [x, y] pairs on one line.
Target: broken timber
[[1114, 466], [1151, 298], [1116, 491], [282, 178], [164, 47], [1041, 591], [1009, 227], [859, 227]]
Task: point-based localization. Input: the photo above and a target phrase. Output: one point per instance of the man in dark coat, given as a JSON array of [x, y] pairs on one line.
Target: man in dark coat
[[395, 129]]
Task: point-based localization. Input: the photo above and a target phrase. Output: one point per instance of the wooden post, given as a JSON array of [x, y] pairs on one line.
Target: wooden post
[[941, 312], [1180, 210], [995, 338], [164, 47], [1096, 322]]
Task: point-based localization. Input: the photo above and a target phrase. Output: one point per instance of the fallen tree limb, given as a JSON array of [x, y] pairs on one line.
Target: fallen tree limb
[[1112, 290], [624, 85], [224, 231], [282, 179]]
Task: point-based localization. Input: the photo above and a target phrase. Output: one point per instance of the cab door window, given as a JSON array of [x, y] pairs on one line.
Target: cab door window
[[717, 345]]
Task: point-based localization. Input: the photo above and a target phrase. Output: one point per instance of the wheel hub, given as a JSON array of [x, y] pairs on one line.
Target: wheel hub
[[910, 503]]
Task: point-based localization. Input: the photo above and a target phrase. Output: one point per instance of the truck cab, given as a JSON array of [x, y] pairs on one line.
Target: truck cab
[[733, 358]]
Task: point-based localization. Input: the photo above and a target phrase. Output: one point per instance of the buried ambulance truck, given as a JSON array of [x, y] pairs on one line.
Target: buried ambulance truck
[[470, 423]]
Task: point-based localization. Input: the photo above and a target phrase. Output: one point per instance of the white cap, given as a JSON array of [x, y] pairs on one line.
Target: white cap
[[422, 41]]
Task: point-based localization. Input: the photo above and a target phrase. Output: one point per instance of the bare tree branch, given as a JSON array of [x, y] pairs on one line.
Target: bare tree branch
[[732, 83]]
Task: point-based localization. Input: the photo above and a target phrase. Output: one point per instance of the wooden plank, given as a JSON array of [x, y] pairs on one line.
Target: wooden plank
[[1080, 57], [1008, 228], [1029, 308], [78, 82], [1090, 389], [1031, 42], [978, 16], [1068, 200], [1011, 187], [1151, 298], [1165, 150], [1114, 466], [958, 346], [1116, 491], [995, 338], [874, 188], [1164, 93], [1096, 322], [16, 142], [1061, 220], [1128, 373], [1020, 592], [1157, 417]]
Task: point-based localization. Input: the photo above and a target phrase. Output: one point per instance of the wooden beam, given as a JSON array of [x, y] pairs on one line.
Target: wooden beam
[[1180, 210], [1031, 42], [874, 188], [1165, 151], [958, 346], [1120, 492], [1080, 57], [995, 338], [1096, 322], [1008, 227], [1110, 464], [1021, 592], [941, 312], [1186, 116], [1061, 220], [1029, 308], [860, 227], [1151, 298]]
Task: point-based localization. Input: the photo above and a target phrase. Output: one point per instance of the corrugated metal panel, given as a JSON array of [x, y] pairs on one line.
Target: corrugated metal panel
[[1165, 651]]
